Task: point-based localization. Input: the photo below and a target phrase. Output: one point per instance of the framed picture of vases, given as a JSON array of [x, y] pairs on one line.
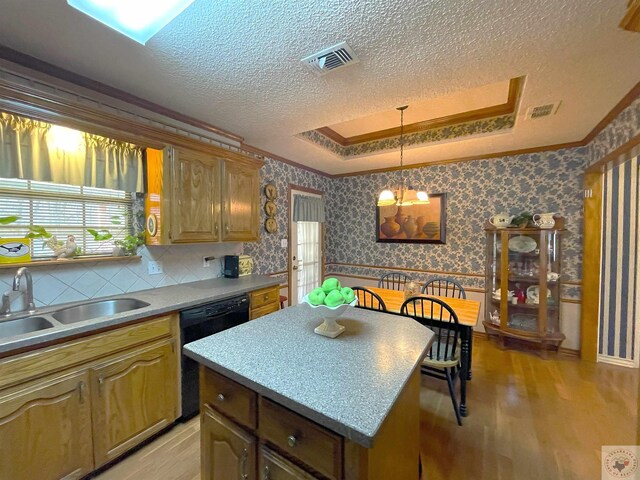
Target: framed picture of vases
[[415, 223]]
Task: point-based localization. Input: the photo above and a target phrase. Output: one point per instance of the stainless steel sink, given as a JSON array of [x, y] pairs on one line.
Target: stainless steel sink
[[100, 308], [9, 328]]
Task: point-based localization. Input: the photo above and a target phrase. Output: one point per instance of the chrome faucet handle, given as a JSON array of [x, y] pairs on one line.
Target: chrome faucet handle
[[5, 309]]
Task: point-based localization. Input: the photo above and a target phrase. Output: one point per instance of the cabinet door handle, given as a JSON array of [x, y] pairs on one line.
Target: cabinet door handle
[[243, 464], [221, 397], [216, 229], [292, 441], [81, 389], [226, 229], [265, 473], [100, 384]]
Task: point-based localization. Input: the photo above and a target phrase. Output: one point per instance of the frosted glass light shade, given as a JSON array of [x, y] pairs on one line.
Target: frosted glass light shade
[[387, 197], [423, 198], [137, 19]]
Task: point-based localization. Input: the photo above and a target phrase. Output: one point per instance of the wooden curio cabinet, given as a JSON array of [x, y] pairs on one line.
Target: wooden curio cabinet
[[523, 284]]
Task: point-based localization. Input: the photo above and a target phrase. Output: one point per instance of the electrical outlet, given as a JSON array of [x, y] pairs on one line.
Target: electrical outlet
[[154, 268]]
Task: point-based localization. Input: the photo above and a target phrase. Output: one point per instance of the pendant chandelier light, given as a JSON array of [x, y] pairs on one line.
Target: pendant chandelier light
[[404, 195]]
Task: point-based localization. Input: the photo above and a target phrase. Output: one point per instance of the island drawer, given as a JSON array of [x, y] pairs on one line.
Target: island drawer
[[228, 397], [265, 296], [303, 439]]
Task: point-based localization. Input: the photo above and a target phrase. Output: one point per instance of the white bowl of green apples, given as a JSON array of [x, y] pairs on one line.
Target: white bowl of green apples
[[330, 300]]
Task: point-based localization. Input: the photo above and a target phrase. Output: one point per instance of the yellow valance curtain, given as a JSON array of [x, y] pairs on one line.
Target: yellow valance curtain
[[34, 150]]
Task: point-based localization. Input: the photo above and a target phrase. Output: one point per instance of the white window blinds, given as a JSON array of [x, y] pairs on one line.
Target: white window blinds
[[65, 210]]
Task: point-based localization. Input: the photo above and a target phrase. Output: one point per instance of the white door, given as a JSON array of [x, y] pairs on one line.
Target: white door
[[305, 253]]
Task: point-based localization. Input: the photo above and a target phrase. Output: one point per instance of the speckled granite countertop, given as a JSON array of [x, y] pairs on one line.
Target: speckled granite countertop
[[161, 300], [347, 384]]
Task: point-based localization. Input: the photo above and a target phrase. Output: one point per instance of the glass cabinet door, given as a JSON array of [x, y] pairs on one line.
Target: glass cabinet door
[[523, 282], [492, 280]]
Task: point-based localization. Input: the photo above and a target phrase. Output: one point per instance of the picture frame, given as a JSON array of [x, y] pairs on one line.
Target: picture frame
[[415, 223]]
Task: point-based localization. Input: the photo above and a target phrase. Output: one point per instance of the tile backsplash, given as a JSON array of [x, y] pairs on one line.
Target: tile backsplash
[[81, 281]]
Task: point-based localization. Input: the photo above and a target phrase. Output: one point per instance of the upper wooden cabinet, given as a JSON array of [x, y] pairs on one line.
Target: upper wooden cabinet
[[195, 197], [240, 194], [195, 209]]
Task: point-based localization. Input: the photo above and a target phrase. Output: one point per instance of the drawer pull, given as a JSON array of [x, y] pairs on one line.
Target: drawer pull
[[221, 397], [243, 464], [292, 441], [266, 296]]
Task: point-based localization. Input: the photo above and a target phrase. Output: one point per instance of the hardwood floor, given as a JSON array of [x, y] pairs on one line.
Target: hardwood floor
[[529, 418]]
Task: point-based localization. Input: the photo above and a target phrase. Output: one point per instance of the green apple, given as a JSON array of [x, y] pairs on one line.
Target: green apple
[[316, 296], [330, 284], [334, 298], [347, 294]]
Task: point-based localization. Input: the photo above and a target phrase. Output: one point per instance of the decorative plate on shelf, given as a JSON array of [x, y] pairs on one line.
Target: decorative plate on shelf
[[522, 244]]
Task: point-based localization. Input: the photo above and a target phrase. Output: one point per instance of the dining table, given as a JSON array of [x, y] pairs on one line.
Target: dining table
[[468, 313]]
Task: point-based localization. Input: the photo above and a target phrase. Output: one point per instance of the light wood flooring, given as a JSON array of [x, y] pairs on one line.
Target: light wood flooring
[[529, 418]]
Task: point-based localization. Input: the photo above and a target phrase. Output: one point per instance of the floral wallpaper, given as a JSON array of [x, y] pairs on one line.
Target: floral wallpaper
[[622, 129], [538, 182], [432, 135], [269, 255]]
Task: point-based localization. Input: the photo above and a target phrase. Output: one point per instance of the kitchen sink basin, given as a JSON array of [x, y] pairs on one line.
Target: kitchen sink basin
[[100, 308], [9, 328]]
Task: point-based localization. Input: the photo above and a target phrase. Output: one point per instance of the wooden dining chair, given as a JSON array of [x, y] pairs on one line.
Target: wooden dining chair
[[393, 281], [369, 300], [443, 359], [444, 287]]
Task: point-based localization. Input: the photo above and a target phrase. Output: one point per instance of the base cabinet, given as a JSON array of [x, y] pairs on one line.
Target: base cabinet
[[68, 409], [227, 450], [45, 429], [274, 467], [131, 400]]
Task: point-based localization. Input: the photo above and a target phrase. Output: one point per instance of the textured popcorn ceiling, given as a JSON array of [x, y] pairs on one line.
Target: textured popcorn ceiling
[[235, 64]]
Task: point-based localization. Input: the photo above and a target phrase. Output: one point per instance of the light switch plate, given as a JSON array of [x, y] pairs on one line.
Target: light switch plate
[[284, 243], [154, 268]]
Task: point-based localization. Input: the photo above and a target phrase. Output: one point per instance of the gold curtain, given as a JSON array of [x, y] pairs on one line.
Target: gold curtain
[[35, 150]]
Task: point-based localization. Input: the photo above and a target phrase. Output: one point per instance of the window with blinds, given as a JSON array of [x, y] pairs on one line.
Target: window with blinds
[[65, 210]]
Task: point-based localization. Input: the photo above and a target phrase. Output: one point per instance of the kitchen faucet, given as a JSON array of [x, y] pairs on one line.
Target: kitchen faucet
[[24, 272]]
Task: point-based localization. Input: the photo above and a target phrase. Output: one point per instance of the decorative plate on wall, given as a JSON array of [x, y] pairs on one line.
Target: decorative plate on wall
[[270, 225], [270, 208], [270, 191]]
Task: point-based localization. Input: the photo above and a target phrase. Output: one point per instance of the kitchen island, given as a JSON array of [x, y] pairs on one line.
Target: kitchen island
[[279, 401]]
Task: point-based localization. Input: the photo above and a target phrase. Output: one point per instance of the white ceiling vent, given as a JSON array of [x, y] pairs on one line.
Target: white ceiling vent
[[331, 58], [542, 110]]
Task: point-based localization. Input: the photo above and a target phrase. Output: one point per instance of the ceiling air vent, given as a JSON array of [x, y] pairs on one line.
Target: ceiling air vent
[[331, 58], [542, 110]]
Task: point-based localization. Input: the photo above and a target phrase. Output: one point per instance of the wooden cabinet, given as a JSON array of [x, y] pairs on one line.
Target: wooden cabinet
[[274, 467], [45, 429], [240, 216], [227, 451], [194, 197], [296, 436], [523, 283], [195, 208], [264, 301], [68, 408], [292, 447], [132, 399]]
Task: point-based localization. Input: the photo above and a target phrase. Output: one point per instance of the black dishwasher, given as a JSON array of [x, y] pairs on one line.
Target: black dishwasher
[[199, 322]]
